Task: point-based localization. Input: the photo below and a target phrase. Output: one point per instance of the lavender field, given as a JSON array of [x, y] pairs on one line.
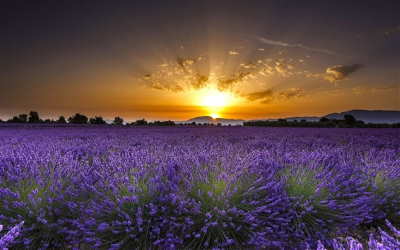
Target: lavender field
[[199, 188]]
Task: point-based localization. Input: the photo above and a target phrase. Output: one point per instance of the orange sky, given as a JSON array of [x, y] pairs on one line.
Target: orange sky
[[229, 60]]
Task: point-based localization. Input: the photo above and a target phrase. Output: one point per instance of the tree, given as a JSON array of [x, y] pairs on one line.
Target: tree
[[349, 119], [324, 119], [23, 117], [78, 119], [97, 120], [34, 117], [61, 120], [141, 122], [118, 121], [48, 121]]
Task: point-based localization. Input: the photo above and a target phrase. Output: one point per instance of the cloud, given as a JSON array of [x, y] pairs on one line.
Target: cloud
[[233, 53], [268, 95], [340, 72], [227, 83], [177, 75], [183, 74], [296, 45], [260, 95], [291, 93], [392, 31]]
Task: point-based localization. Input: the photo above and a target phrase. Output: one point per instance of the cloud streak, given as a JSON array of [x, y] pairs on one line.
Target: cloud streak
[[295, 45]]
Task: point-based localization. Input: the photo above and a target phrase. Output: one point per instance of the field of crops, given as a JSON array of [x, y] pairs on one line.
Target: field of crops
[[199, 188]]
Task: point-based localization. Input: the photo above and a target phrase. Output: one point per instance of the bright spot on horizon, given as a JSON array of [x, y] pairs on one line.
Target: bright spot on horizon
[[214, 101]]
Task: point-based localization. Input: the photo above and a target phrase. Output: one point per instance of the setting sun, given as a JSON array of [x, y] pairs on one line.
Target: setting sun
[[214, 101], [215, 98], [214, 115]]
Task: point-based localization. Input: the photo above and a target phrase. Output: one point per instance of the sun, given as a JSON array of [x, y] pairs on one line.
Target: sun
[[215, 99], [214, 115]]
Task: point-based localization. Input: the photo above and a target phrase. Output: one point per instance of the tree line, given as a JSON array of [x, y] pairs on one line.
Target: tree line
[[34, 118], [348, 122]]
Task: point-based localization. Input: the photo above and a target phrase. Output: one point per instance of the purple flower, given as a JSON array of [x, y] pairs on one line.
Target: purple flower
[[9, 237]]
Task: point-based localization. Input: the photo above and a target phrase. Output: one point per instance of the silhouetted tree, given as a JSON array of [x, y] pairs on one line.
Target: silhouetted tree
[[97, 120], [118, 121], [78, 119], [61, 120], [34, 117], [23, 117], [161, 123], [48, 121], [349, 119], [14, 120], [324, 119], [141, 122]]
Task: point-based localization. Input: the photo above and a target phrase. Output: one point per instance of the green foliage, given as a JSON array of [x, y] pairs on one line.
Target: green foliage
[[40, 209], [388, 188], [309, 199]]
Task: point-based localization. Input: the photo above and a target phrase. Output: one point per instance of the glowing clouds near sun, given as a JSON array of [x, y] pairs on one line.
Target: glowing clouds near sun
[[218, 84], [194, 74]]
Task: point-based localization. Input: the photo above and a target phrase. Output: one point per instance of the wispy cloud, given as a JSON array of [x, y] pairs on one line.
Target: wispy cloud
[[295, 45]]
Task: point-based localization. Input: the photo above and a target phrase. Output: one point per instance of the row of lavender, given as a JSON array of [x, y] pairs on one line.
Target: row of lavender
[[221, 188]]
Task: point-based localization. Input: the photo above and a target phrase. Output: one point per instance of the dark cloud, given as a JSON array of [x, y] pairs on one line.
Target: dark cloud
[[340, 72], [291, 93], [200, 82], [392, 31], [224, 84], [266, 96], [260, 95]]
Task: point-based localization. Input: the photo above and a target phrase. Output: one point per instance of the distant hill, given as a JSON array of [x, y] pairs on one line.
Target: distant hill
[[369, 116], [210, 120]]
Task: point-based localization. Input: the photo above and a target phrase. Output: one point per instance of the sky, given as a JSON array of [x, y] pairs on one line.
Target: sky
[[181, 59]]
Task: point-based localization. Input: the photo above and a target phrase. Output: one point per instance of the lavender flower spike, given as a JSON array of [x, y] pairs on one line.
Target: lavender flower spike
[[9, 237]]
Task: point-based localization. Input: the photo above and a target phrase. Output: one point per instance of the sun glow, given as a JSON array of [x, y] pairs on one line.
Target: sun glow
[[214, 101], [214, 115]]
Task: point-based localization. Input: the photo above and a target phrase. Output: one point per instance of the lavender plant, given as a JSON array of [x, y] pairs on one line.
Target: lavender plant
[[200, 188], [7, 239]]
